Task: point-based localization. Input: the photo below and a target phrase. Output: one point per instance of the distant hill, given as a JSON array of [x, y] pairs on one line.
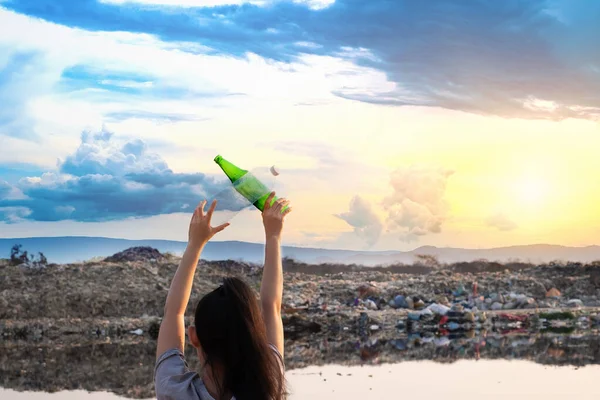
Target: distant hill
[[79, 248], [538, 253]]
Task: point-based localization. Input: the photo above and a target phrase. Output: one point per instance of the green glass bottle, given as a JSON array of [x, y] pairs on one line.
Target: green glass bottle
[[245, 183]]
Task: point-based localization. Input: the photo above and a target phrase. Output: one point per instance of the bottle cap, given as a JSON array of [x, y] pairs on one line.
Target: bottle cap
[[218, 158]]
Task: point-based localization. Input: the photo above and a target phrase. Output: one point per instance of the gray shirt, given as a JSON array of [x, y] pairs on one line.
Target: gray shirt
[[173, 379]]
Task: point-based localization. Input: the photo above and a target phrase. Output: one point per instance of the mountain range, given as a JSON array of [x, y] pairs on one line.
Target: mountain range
[[69, 249]]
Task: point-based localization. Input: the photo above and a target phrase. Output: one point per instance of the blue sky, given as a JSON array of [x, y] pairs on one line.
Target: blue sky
[[479, 56], [113, 110]]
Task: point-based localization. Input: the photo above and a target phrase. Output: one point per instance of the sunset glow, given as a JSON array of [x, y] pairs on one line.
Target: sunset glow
[[434, 140]]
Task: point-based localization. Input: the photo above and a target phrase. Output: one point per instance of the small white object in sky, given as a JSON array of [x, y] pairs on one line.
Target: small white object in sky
[[274, 171]]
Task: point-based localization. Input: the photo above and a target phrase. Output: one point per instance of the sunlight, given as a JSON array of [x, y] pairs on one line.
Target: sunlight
[[532, 190]]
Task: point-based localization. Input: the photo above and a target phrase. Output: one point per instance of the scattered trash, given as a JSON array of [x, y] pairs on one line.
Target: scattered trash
[[459, 291], [438, 309], [136, 254], [370, 304], [399, 344], [324, 303], [400, 302], [367, 290], [513, 317], [453, 326], [417, 315], [575, 303], [419, 304]]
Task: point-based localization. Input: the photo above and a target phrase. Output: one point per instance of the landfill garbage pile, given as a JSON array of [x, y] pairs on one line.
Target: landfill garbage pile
[[79, 318], [143, 253], [138, 287]]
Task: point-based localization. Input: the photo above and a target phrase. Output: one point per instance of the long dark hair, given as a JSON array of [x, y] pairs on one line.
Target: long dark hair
[[232, 333]]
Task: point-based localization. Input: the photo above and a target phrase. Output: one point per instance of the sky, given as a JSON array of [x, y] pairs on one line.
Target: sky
[[393, 124]]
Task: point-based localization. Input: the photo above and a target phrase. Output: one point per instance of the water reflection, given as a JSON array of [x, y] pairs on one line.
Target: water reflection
[[491, 380], [125, 365]]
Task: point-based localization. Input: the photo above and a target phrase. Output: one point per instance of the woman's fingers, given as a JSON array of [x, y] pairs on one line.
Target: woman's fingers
[[268, 201], [280, 204], [196, 215], [211, 210], [200, 208], [219, 228], [286, 211]]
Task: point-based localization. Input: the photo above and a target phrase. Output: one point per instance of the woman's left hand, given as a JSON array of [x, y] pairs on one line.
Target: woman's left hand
[[200, 229]]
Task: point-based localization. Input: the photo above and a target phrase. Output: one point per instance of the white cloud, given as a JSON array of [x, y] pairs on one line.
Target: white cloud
[[363, 219], [417, 205], [536, 104], [13, 215], [14, 150], [169, 65], [58, 115], [313, 4], [127, 84], [23, 73], [308, 45], [501, 221], [357, 53], [316, 4], [184, 3]]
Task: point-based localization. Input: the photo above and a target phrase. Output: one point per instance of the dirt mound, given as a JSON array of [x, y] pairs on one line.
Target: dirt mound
[[136, 254]]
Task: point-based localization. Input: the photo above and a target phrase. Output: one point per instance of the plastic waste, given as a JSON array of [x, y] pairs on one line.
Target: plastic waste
[[438, 309], [417, 315], [453, 326], [459, 291], [370, 304], [400, 301], [399, 344]]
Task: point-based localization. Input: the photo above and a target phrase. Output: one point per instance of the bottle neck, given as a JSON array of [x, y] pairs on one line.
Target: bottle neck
[[232, 171]]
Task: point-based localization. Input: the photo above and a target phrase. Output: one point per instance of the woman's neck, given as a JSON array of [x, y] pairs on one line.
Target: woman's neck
[[212, 387]]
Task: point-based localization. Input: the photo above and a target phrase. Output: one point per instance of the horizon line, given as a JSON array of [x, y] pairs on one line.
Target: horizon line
[[300, 246]]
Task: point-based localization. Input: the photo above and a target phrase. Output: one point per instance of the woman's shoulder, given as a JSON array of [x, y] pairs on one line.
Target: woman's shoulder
[[278, 356], [174, 379]]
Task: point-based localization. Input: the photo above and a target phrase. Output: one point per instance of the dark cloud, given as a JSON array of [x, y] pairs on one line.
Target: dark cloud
[[514, 58], [13, 215], [104, 180], [5, 189]]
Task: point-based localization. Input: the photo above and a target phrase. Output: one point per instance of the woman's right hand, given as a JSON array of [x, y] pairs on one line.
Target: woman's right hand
[[273, 216]]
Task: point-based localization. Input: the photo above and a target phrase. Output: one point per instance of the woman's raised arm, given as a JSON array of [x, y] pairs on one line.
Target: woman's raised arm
[[172, 328], [271, 288]]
